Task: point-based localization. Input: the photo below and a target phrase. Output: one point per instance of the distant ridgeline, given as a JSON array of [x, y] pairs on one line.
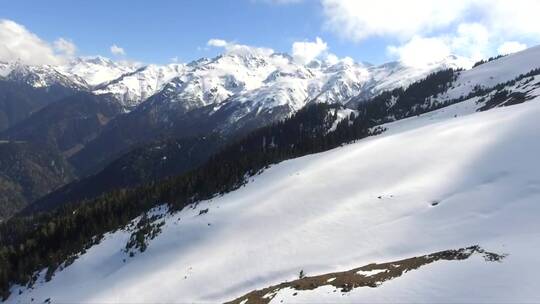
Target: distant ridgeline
[[50, 240]]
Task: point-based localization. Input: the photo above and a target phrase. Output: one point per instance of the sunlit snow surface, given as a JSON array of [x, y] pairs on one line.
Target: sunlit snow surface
[[246, 77], [367, 202], [495, 72], [97, 70]]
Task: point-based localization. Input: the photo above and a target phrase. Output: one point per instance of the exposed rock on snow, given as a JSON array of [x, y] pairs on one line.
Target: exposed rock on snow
[[371, 275]]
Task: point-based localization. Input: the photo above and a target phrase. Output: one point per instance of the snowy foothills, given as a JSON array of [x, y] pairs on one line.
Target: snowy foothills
[[253, 178]]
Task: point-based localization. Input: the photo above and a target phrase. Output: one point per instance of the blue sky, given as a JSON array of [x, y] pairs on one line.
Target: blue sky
[[373, 31], [158, 32]]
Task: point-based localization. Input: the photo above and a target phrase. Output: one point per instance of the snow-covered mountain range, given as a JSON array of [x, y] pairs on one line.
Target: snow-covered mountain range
[[231, 94], [466, 175], [41, 76], [245, 75]]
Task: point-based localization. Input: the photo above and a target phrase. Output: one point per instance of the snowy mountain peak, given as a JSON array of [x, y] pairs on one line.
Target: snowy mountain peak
[[40, 76], [245, 51], [254, 78], [98, 60], [133, 88], [256, 81], [200, 61], [97, 70]]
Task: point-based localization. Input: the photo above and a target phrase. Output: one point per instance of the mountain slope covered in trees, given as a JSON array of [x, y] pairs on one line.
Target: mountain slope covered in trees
[[149, 163], [68, 124], [19, 100], [28, 172]]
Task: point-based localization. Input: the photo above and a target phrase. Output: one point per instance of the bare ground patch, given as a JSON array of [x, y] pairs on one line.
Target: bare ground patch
[[371, 275]]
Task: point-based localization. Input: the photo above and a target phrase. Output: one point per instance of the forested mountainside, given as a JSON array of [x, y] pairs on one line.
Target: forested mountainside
[[149, 163], [19, 100], [28, 172], [68, 124]]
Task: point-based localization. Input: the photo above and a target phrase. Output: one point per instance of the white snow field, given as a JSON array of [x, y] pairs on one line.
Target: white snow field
[[495, 72], [367, 202]]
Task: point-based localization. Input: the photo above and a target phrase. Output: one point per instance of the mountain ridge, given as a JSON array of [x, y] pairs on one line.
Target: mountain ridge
[[133, 83]]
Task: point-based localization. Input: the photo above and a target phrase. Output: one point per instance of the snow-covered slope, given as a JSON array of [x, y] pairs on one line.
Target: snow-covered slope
[[97, 70], [5, 68], [132, 88], [40, 76], [80, 73], [393, 75], [251, 87], [444, 180], [495, 72], [247, 78], [263, 81]]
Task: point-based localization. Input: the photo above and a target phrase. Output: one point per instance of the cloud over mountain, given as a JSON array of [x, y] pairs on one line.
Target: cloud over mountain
[[18, 43]]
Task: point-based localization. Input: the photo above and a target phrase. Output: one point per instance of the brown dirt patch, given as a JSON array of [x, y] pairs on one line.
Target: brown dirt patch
[[371, 275]]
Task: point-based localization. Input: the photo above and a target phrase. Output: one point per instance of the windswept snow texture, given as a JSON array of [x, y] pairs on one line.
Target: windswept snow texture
[[430, 183]]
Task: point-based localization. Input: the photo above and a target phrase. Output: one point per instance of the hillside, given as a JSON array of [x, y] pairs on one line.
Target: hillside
[[68, 124], [145, 164], [18, 101], [462, 180], [28, 172]]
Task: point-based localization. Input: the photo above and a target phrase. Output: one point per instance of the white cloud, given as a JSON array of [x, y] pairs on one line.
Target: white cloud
[[217, 43], [512, 18], [65, 46], [246, 49], [360, 19], [305, 51], [116, 50], [17, 43], [302, 51], [421, 51], [471, 40], [510, 47], [332, 59], [471, 28], [241, 49]]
